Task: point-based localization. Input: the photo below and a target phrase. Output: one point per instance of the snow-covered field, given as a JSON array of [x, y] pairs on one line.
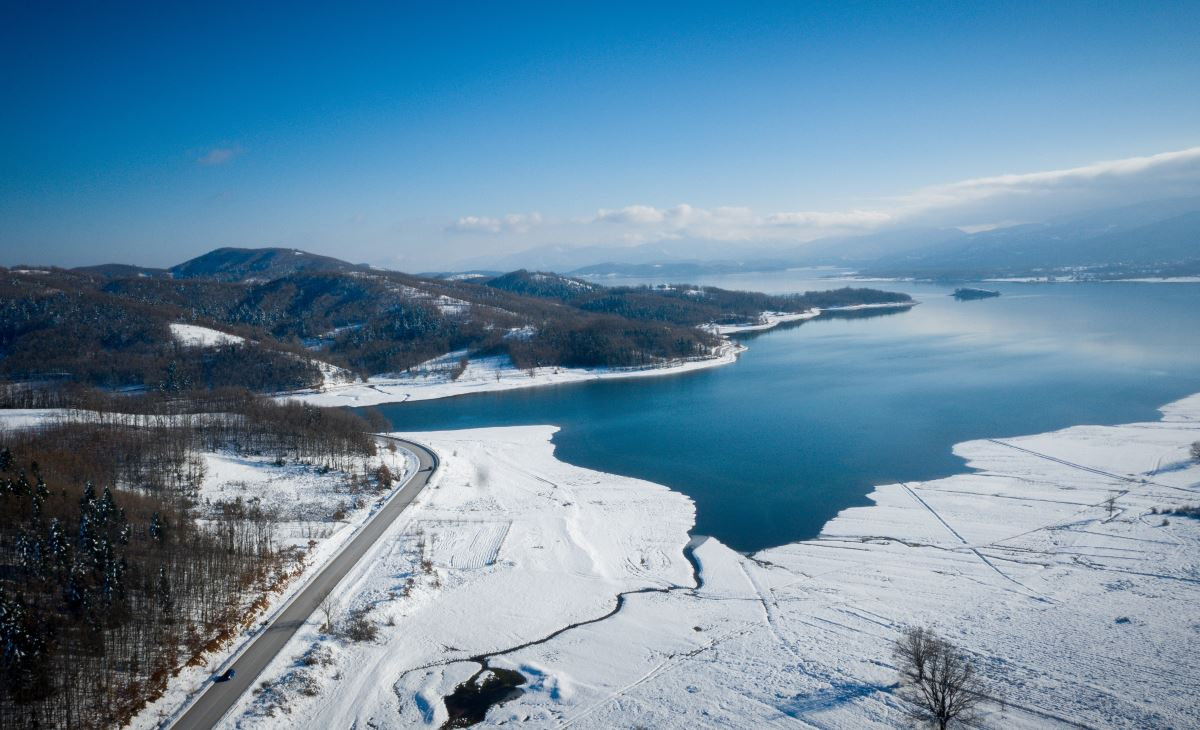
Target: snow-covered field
[[433, 379], [1051, 563], [508, 546]]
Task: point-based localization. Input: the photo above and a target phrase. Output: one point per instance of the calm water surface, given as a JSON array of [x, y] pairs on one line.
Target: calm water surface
[[811, 417]]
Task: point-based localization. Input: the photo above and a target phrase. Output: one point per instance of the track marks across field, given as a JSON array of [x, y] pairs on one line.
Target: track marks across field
[[464, 544]]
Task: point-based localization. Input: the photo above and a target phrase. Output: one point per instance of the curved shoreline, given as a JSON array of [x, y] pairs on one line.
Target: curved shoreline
[[1050, 562], [495, 374]]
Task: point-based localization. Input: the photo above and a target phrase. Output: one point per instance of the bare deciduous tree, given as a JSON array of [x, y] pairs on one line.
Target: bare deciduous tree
[[1196, 451], [937, 679], [328, 610]]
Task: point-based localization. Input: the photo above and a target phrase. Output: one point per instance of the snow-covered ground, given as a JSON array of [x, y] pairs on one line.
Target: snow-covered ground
[[766, 321], [1078, 279], [1051, 563], [433, 379], [315, 510], [193, 335], [508, 546]]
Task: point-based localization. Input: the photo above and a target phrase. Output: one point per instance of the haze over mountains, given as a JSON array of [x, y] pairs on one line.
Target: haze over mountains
[[1157, 238]]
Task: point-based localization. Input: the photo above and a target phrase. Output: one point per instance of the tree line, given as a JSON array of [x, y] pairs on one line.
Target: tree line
[[114, 332], [109, 583]]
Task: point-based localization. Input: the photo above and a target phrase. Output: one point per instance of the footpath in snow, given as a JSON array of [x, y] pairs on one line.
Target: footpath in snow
[[1056, 564]]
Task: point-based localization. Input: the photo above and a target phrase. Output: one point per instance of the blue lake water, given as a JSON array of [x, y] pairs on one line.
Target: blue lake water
[[812, 416]]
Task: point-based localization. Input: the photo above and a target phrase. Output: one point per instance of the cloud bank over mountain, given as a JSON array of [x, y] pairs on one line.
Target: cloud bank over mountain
[[976, 204]]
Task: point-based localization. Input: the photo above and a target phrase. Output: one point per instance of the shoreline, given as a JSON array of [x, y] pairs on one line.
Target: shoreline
[[495, 374], [1019, 547]]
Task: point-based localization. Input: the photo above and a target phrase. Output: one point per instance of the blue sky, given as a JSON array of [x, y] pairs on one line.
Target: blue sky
[[414, 135]]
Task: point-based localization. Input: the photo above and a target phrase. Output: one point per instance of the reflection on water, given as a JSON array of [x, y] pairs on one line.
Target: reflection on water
[[813, 415]]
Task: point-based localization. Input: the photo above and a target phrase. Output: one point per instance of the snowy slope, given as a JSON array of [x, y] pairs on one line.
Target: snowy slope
[[193, 335]]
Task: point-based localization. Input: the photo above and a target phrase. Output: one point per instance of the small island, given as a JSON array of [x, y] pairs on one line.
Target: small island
[[964, 294]]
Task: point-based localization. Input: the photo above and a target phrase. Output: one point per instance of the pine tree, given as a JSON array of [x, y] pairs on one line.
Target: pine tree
[[23, 645], [40, 492], [56, 550]]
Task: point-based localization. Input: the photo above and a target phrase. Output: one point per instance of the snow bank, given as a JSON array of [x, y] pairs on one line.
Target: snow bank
[[1051, 563], [766, 321], [434, 379]]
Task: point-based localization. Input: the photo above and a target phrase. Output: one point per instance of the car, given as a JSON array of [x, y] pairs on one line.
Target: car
[[225, 676]]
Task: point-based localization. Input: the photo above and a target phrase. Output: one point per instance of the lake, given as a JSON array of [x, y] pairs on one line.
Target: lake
[[812, 416]]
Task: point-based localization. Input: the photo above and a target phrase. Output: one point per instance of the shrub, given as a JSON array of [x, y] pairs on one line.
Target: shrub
[[357, 627]]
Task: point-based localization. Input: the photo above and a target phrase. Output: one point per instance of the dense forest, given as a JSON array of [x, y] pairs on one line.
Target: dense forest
[[110, 326], [108, 581]]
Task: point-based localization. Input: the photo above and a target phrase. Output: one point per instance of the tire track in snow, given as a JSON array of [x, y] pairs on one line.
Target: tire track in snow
[[1029, 592], [659, 669], [1092, 470]]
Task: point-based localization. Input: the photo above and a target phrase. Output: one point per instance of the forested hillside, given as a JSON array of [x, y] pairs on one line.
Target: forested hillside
[[108, 581], [111, 326]]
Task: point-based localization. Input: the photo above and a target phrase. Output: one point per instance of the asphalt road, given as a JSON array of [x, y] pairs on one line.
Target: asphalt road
[[219, 697]]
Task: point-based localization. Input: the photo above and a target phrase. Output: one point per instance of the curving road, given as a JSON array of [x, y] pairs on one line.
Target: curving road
[[219, 697]]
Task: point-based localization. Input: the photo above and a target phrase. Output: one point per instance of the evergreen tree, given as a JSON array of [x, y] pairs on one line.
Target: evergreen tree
[[23, 649]]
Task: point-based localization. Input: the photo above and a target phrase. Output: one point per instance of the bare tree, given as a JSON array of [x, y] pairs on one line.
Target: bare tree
[[937, 679], [328, 610], [1196, 451]]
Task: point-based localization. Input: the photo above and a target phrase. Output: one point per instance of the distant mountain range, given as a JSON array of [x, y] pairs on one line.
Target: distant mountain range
[[1157, 238]]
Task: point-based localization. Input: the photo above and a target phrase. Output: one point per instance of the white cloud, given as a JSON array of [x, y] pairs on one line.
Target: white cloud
[[637, 214], [219, 156], [1145, 173], [647, 223], [973, 204], [511, 223], [831, 219]]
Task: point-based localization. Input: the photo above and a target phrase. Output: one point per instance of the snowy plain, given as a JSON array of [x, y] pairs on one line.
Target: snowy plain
[[1054, 563]]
